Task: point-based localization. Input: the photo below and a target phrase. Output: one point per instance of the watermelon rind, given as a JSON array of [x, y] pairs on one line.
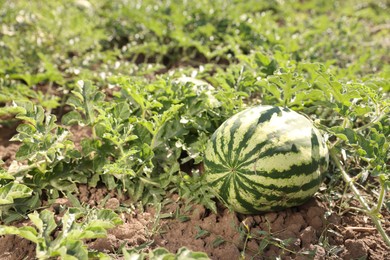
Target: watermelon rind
[[265, 158]]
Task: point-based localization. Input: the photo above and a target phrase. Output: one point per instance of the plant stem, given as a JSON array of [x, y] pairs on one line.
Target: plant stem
[[381, 198], [24, 168], [371, 213], [373, 122], [247, 237]]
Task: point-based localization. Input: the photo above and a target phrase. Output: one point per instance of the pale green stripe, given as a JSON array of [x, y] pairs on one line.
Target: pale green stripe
[[292, 181], [280, 162], [259, 136], [247, 120], [211, 155], [263, 204], [301, 194], [215, 176], [300, 136], [256, 155], [299, 127], [223, 138]]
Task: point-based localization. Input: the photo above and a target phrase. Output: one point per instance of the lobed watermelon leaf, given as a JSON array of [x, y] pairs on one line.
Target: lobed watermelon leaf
[[11, 191]]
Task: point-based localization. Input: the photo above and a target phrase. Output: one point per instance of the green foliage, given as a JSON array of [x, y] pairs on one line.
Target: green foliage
[[196, 190], [148, 82], [162, 253], [42, 138], [86, 98], [75, 226], [146, 136], [47, 148], [12, 191]]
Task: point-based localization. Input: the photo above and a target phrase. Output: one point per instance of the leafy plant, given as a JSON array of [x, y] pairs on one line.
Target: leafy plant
[[10, 191], [148, 83], [357, 106], [75, 226], [136, 131], [162, 253], [46, 146]]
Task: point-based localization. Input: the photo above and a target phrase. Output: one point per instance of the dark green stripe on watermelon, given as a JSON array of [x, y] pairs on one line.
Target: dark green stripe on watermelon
[[225, 188], [217, 168], [267, 115], [303, 169], [248, 186], [231, 151], [260, 189], [255, 205], [243, 143], [245, 204], [310, 185], [284, 189], [217, 153], [253, 152], [286, 148], [315, 146]]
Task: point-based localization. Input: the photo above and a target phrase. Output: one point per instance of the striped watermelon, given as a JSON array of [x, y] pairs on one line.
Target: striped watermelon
[[265, 158]]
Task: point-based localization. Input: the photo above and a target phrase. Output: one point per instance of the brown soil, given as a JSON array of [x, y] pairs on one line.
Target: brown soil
[[311, 231], [7, 148], [14, 247]]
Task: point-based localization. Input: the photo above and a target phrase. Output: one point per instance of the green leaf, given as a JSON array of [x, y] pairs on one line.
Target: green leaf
[[85, 99], [50, 225], [26, 129], [218, 241], [131, 255], [37, 221], [12, 191], [164, 130], [72, 118], [68, 244], [4, 175], [185, 253], [27, 151], [109, 217], [26, 232], [122, 111], [75, 250], [262, 59], [161, 253], [345, 134], [74, 201], [99, 255], [34, 114], [201, 233]]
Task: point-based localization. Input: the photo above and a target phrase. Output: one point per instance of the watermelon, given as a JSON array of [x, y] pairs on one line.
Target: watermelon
[[265, 158]]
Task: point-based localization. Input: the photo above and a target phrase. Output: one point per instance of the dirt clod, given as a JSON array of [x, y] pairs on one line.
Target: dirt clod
[[7, 154], [308, 236], [112, 203], [355, 249], [14, 248]]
